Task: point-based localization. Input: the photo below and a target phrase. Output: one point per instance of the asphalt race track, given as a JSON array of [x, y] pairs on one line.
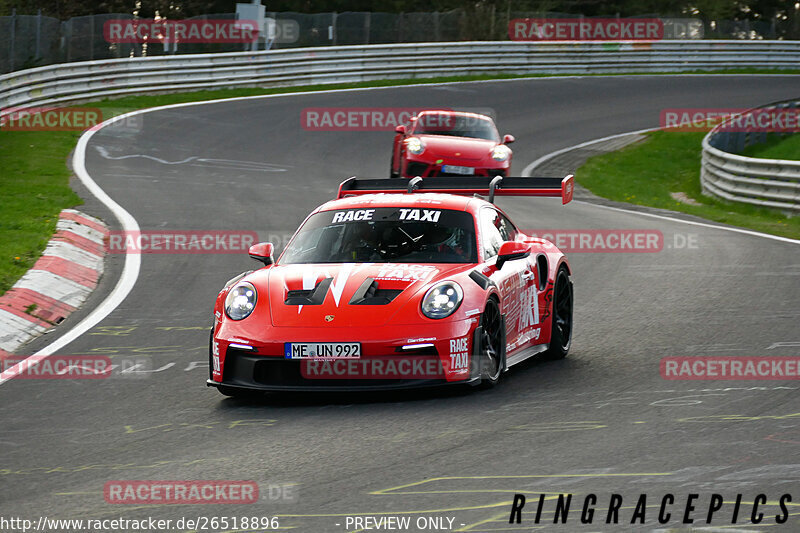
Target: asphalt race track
[[602, 421]]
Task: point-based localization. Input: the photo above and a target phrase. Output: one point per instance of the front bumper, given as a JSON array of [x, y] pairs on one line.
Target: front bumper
[[425, 169], [284, 375], [263, 368]]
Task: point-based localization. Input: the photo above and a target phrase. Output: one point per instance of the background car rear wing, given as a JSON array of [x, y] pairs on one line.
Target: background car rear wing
[[466, 186]]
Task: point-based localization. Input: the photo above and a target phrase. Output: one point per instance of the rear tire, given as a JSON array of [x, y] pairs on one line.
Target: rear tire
[[561, 322], [491, 348]]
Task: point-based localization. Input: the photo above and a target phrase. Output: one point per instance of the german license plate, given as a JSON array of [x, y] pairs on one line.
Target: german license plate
[[322, 350], [452, 169]]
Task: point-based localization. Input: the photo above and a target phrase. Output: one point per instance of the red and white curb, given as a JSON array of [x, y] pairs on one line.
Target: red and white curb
[[59, 282]]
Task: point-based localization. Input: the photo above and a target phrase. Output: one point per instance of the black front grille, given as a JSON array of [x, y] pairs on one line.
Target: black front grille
[[285, 372], [247, 369], [416, 169], [441, 174]]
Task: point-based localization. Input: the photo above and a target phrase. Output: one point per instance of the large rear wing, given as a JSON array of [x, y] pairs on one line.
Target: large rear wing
[[466, 186]]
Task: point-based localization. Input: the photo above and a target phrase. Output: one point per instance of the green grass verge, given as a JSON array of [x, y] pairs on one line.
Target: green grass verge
[[647, 172], [776, 148], [34, 185], [34, 188]]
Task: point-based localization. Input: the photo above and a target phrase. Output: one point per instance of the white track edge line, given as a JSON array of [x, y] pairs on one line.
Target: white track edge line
[[130, 270], [528, 170]]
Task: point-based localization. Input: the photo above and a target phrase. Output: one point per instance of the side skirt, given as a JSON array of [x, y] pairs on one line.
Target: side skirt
[[525, 354]]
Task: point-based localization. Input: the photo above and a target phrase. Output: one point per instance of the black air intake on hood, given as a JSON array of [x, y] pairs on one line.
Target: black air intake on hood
[[313, 296], [369, 294]]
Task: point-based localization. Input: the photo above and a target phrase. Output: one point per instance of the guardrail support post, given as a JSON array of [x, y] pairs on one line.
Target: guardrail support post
[[12, 33], [91, 38], [38, 35]]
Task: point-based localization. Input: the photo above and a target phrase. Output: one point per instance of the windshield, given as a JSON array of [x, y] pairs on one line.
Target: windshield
[[384, 235], [456, 125]]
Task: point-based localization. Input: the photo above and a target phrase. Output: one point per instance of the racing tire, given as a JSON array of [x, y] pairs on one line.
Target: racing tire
[[491, 347], [561, 323], [392, 173]]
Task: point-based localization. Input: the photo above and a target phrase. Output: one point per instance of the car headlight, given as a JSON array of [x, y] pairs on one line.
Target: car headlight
[[241, 301], [414, 145], [501, 152], [442, 299]]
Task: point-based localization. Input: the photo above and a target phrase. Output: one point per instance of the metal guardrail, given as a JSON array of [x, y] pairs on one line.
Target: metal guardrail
[[92, 80], [765, 182]]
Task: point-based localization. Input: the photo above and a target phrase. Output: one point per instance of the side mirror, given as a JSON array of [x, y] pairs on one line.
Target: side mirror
[[400, 129], [510, 251], [508, 139], [262, 252]]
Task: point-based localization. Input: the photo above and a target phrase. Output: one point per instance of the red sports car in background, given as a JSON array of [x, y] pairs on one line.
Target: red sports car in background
[[397, 283], [450, 143]]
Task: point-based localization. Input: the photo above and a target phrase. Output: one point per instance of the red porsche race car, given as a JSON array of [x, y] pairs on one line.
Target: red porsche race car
[[450, 143], [397, 283]]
